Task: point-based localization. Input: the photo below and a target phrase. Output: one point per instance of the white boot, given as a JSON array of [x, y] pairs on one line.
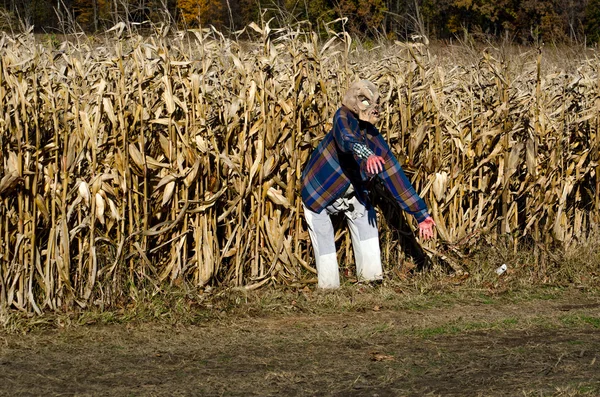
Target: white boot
[[327, 271], [368, 259]]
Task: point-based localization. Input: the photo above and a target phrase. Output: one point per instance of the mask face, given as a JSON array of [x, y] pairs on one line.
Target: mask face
[[362, 98]]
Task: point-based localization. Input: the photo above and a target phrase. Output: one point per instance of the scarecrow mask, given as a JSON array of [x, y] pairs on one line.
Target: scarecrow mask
[[362, 98]]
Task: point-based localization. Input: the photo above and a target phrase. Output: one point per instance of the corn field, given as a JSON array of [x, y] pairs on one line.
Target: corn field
[[176, 158]]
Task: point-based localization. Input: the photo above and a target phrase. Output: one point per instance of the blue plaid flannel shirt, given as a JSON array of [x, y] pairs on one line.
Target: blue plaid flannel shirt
[[340, 160]]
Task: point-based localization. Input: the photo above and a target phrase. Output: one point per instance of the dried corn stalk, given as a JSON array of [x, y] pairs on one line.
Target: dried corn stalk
[[161, 159]]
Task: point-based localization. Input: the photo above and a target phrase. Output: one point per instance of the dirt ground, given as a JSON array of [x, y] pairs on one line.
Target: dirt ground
[[538, 347]]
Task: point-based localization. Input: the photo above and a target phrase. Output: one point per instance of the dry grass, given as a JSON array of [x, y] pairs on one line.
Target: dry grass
[[480, 348], [140, 162]]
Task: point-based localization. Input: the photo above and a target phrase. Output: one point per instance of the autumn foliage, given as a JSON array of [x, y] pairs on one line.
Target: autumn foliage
[[526, 21]]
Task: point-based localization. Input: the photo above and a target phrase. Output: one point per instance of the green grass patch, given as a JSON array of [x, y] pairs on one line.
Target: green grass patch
[[510, 321], [191, 306], [455, 328], [580, 319]]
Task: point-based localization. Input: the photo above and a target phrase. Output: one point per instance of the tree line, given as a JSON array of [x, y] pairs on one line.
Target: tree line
[[520, 20]]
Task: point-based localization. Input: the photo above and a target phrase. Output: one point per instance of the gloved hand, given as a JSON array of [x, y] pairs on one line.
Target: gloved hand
[[375, 164], [426, 228]]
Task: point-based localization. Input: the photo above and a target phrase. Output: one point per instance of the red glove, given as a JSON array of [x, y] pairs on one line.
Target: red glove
[[426, 228], [375, 164]]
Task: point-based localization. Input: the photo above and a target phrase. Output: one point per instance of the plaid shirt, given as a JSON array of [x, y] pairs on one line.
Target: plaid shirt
[[340, 160]]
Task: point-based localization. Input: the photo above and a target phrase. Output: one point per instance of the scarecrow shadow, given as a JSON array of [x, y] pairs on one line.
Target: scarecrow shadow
[[400, 228]]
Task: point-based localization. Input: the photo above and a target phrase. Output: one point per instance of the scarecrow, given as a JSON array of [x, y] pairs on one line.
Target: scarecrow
[[337, 179]]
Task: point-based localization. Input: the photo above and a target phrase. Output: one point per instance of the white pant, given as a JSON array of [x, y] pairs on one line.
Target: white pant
[[365, 241]]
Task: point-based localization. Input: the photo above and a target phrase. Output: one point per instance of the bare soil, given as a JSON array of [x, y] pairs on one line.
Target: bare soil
[[538, 347]]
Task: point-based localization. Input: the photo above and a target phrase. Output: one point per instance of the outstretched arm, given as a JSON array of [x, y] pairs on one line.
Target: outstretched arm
[[399, 185]]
